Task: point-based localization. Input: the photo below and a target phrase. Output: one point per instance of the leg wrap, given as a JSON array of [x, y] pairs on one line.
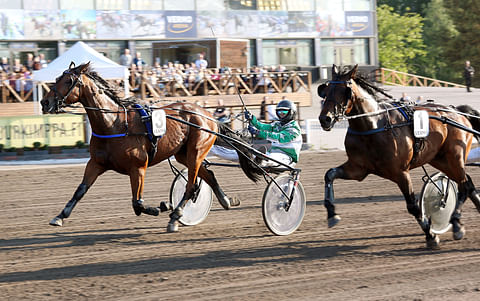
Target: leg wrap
[[329, 194], [139, 208], [79, 193], [176, 214]]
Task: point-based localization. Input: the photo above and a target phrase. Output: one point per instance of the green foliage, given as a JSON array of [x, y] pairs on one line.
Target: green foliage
[[37, 145], [399, 39], [465, 14], [438, 31], [406, 6]]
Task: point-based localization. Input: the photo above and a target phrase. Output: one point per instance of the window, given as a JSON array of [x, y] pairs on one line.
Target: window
[[146, 4], [112, 4], [84, 4], [211, 5], [287, 52], [40, 4], [242, 4], [358, 5], [9, 4], [180, 5], [344, 51], [271, 5], [300, 5]]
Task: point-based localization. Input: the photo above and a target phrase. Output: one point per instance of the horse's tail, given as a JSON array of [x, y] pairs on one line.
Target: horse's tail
[[245, 156], [473, 116]]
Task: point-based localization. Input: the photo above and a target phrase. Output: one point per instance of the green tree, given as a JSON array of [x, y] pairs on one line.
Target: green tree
[[465, 15], [399, 39], [406, 6], [439, 30]]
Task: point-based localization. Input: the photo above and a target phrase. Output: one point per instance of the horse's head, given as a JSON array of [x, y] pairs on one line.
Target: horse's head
[[337, 96], [66, 89]]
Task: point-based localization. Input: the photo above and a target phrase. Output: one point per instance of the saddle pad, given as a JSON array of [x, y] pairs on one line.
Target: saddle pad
[[159, 123], [421, 125]]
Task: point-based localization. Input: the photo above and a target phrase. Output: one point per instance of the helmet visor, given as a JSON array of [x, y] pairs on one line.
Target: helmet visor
[[282, 113]]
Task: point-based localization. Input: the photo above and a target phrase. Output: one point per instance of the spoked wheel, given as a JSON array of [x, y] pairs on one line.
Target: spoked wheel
[[438, 199], [196, 209], [279, 219]]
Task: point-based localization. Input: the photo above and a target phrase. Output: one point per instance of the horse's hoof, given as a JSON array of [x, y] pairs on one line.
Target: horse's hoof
[[333, 221], [457, 235], [234, 202], [433, 243], [155, 211], [56, 221], [172, 227], [165, 206], [225, 202]]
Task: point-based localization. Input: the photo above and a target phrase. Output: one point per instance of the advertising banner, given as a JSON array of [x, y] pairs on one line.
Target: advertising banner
[[79, 24], [359, 23], [148, 24], [52, 130], [113, 24], [11, 24], [41, 24], [180, 24]]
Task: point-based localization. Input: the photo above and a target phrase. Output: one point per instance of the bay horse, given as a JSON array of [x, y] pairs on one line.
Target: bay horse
[[380, 141], [120, 142]]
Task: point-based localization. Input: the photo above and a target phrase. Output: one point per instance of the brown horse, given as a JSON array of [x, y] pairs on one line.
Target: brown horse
[[120, 141], [380, 141]]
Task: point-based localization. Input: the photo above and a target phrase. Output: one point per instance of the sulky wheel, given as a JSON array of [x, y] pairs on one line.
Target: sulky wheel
[[279, 219], [438, 199], [196, 209]]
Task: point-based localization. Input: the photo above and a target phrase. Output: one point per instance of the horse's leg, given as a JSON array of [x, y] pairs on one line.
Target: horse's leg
[[465, 188], [137, 177], [346, 171], [197, 150], [209, 177], [91, 173], [405, 184]]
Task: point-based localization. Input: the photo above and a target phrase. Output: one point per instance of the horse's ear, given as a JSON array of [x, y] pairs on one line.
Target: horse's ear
[[334, 71], [353, 72], [72, 65], [321, 90], [84, 67]]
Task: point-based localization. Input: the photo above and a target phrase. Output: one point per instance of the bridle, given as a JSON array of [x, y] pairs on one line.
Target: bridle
[[58, 97], [340, 109]]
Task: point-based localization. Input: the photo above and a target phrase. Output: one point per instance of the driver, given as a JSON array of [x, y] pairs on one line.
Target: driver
[[284, 134]]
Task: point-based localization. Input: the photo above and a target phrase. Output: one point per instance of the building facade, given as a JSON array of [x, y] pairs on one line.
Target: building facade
[[293, 33]]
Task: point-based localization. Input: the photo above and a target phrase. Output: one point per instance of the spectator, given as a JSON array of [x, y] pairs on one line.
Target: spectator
[[43, 61], [221, 113], [139, 62], [419, 99], [36, 63], [468, 75], [29, 62], [201, 63], [405, 97], [126, 58], [4, 65], [17, 67]]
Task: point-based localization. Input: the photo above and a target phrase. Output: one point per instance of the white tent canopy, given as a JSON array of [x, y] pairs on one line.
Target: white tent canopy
[[81, 53]]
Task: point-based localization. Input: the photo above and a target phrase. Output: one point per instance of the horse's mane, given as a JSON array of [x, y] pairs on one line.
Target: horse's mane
[[363, 81], [109, 89]]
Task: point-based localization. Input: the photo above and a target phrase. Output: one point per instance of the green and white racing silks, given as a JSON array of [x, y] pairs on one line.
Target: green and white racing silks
[[286, 138]]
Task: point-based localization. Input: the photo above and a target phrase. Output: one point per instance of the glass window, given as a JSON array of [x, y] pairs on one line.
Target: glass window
[[271, 5], [146, 4], [84, 4], [344, 51], [242, 4], [330, 5], [211, 5], [9, 4], [300, 5], [287, 52], [180, 5], [145, 49], [358, 5], [40, 4], [112, 4]]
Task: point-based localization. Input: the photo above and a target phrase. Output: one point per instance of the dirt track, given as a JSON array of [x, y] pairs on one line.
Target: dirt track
[[105, 252]]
